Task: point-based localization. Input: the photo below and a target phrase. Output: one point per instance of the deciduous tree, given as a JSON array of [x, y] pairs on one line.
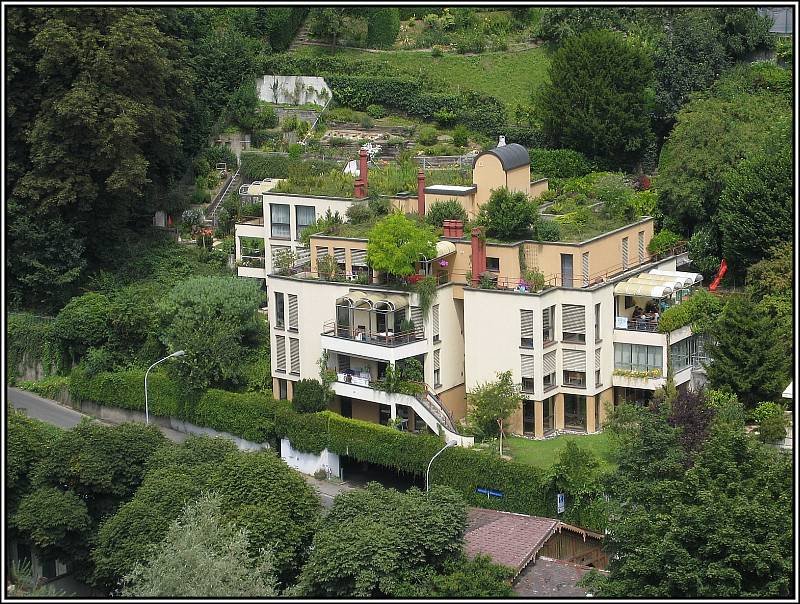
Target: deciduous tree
[[396, 243], [509, 216]]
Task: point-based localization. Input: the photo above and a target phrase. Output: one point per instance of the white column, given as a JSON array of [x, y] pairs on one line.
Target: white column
[[393, 408], [238, 244]]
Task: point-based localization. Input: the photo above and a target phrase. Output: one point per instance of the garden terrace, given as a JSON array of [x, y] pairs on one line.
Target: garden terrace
[[641, 300]]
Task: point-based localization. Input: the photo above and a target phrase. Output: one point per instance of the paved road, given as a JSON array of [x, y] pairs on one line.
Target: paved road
[[52, 412]]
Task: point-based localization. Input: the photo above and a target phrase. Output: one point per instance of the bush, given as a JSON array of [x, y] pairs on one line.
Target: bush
[[548, 230], [470, 42], [379, 206], [358, 213], [84, 322], [509, 216], [366, 122], [375, 111], [295, 151], [259, 166], [559, 163], [437, 51], [427, 135], [445, 210], [31, 339], [308, 396], [460, 136], [663, 241], [383, 25], [772, 429]]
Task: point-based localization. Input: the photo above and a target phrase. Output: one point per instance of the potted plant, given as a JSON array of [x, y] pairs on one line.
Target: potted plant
[[407, 328]]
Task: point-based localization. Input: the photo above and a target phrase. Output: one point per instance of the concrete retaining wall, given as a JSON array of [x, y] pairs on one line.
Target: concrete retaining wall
[[309, 463]]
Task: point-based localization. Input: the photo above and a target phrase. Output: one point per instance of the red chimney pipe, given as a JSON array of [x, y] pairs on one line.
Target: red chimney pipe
[[421, 193], [478, 256], [363, 171], [457, 229]]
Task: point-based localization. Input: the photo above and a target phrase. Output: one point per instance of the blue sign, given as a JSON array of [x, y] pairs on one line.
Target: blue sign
[[562, 501], [489, 492]]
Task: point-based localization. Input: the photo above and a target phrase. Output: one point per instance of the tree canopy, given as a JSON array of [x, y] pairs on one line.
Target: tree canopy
[[603, 78], [397, 243], [509, 216], [491, 402]]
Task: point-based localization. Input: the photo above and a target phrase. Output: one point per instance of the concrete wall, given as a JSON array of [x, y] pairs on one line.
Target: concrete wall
[[293, 90], [489, 175], [309, 463]]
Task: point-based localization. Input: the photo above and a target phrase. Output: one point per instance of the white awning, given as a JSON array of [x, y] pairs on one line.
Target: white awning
[[789, 392], [672, 282], [688, 278], [650, 290], [444, 248]]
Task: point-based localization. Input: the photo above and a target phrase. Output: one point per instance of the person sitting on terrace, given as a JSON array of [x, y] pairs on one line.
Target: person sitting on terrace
[[650, 307], [360, 332], [637, 312]]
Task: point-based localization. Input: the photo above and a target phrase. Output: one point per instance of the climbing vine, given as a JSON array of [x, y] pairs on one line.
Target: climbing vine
[[31, 339]]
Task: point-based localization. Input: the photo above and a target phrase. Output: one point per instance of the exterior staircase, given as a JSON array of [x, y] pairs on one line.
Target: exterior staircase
[[231, 188], [302, 38]]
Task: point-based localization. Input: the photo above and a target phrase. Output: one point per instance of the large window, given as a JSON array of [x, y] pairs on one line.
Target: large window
[[597, 322], [575, 379], [528, 417], [575, 411], [548, 414], [548, 322], [304, 216], [573, 323], [526, 328], [679, 355], [279, 219], [637, 357], [279, 310]]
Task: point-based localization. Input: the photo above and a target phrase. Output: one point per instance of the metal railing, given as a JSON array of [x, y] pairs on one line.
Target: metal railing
[[251, 220], [382, 338], [252, 261]]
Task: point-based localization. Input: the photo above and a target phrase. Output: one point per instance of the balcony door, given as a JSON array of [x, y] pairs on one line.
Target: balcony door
[[575, 412], [566, 270], [528, 418], [343, 324]]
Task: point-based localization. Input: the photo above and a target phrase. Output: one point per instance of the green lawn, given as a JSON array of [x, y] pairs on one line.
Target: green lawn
[[544, 453], [509, 76]]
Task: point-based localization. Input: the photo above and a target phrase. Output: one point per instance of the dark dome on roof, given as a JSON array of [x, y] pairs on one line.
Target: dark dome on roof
[[511, 156]]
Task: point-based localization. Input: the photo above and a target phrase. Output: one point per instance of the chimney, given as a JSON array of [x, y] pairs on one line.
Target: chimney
[[363, 171], [501, 142], [421, 193], [478, 256], [457, 229]]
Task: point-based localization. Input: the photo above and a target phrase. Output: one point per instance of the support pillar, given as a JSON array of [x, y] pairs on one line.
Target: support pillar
[[238, 246], [591, 421], [559, 411], [538, 419]]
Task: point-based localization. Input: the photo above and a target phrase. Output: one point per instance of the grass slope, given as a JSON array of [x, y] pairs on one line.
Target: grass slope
[[544, 453], [509, 76]]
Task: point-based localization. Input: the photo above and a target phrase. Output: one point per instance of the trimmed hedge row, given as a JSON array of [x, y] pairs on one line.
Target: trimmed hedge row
[[281, 25], [258, 166], [259, 418]]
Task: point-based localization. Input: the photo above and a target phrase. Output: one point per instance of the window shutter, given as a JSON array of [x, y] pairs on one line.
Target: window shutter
[[546, 319], [597, 359], [435, 321], [280, 353], [416, 316], [527, 365], [549, 363], [338, 253], [526, 323], [321, 251], [574, 360], [624, 252], [641, 247], [303, 256], [343, 362], [436, 359], [585, 260], [293, 312], [573, 318], [358, 257], [294, 350]]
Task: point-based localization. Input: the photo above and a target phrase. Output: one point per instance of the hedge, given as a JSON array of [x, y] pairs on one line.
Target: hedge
[[258, 166], [383, 25], [32, 339], [281, 25], [260, 418], [559, 163]]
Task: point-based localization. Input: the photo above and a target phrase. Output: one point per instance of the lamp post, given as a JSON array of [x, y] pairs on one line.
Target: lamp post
[[451, 443], [178, 353]]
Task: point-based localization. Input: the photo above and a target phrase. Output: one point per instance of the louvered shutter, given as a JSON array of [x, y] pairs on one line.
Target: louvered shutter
[[597, 359], [573, 360], [546, 319], [549, 363], [416, 316], [624, 252], [435, 321], [436, 360], [526, 324], [358, 257], [321, 251], [641, 247], [573, 318], [338, 253], [280, 353], [303, 256], [585, 260], [527, 365], [294, 350], [293, 312], [343, 362]]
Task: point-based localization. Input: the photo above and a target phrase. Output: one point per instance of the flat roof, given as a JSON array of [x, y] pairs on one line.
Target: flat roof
[[451, 189]]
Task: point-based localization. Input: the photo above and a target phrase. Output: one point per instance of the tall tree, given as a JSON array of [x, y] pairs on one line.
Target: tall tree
[[203, 555], [492, 403], [746, 357], [603, 78], [396, 243]]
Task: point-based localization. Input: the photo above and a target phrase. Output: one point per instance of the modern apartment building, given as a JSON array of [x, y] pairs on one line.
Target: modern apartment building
[[575, 345]]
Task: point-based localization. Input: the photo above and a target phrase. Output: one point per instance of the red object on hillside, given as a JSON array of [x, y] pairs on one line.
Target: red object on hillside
[[421, 193], [644, 182], [414, 279], [723, 268]]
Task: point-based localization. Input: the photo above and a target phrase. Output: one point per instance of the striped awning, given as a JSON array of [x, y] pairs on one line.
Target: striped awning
[[372, 300], [444, 248], [674, 282], [634, 288], [688, 278]]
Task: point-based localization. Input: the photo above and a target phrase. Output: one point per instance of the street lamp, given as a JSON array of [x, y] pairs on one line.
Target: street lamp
[[451, 443], [179, 353]]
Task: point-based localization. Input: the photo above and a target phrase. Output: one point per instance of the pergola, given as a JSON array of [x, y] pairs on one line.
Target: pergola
[[369, 306]]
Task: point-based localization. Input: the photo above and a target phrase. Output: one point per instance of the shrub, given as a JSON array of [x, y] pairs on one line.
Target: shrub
[[375, 111], [772, 429], [366, 122], [663, 241], [460, 135], [379, 206], [559, 163], [295, 151], [427, 135], [31, 339], [383, 25], [509, 216], [84, 322], [445, 210], [470, 42], [308, 396], [358, 213], [437, 51], [548, 230]]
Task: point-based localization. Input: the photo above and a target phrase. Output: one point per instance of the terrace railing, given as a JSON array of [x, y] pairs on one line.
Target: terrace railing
[[370, 336]]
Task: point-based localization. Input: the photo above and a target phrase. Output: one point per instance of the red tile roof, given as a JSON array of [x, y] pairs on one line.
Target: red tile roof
[[510, 539]]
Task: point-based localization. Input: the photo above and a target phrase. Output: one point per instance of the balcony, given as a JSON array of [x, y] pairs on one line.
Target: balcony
[[250, 226], [251, 266], [362, 341]]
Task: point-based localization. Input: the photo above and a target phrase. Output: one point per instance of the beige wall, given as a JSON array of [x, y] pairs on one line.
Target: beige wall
[[455, 399], [519, 179], [366, 411], [332, 243], [489, 175], [537, 187]]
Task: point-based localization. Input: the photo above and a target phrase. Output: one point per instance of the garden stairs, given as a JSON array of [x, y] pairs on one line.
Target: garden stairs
[[232, 188]]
